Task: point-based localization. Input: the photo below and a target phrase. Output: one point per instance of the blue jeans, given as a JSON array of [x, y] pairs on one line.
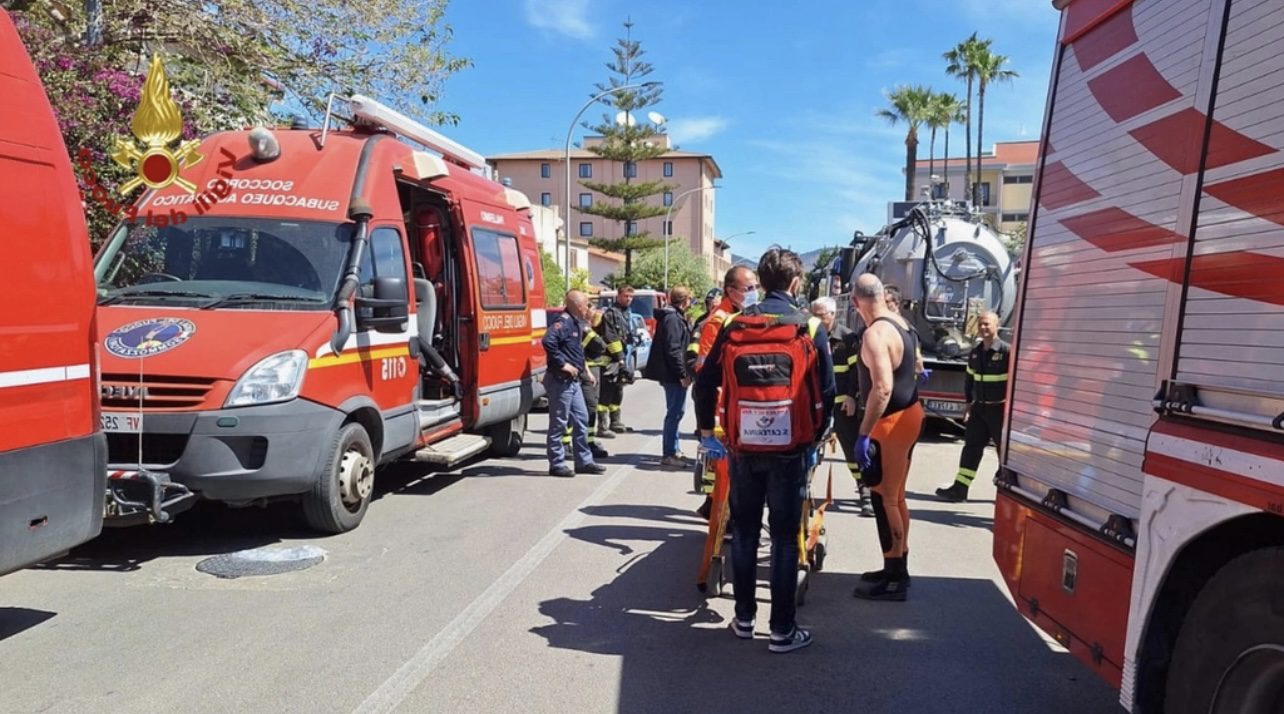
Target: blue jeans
[[675, 405], [566, 406], [780, 482]]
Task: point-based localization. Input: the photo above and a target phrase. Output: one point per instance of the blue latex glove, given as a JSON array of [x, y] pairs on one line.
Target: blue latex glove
[[713, 447], [863, 456], [926, 375]]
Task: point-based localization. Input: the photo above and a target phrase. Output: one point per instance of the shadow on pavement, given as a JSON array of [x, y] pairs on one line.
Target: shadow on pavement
[[14, 620], [676, 653]]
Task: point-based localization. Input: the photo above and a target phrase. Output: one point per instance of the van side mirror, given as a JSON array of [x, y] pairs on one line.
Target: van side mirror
[[386, 309]]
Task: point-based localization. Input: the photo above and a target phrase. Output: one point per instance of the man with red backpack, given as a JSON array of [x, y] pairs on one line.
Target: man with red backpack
[[773, 364]]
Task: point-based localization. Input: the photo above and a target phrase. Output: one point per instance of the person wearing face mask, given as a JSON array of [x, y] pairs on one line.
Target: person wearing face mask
[[667, 366], [771, 445]]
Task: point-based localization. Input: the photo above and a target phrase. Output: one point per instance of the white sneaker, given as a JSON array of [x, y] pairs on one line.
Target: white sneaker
[[795, 640]]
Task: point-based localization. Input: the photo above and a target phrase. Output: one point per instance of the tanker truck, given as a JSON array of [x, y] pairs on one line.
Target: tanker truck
[[950, 266]]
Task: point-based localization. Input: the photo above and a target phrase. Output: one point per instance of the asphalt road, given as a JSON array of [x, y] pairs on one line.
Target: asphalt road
[[496, 588]]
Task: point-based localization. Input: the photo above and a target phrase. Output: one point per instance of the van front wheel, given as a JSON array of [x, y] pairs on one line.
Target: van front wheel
[[506, 437], [338, 500]]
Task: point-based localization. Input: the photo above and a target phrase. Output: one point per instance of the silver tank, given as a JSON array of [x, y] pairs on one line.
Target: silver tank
[[949, 266]]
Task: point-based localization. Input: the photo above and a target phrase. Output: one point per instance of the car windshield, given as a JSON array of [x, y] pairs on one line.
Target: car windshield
[[643, 305], [218, 261]]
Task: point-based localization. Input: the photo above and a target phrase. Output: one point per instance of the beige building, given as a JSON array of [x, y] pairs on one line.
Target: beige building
[[541, 175], [1007, 180]]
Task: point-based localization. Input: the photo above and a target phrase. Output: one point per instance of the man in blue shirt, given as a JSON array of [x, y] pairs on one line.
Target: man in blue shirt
[[777, 480], [563, 343]]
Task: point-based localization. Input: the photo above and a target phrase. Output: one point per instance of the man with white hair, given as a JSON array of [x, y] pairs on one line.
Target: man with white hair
[[845, 346]]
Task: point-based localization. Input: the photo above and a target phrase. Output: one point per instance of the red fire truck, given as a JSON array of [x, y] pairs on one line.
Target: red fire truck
[[53, 459], [331, 301], [1140, 511]]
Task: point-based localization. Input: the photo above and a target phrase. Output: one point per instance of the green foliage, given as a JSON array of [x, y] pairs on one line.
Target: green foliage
[[229, 62], [625, 142], [554, 283], [685, 268], [1015, 240]]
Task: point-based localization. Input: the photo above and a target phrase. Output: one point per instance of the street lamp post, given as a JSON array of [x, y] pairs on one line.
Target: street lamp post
[[566, 217], [668, 215]]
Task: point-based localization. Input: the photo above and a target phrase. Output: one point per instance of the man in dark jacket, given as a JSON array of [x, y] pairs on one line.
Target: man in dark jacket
[[667, 365]]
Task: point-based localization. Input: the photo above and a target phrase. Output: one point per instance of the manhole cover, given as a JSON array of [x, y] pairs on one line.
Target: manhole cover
[[262, 561]]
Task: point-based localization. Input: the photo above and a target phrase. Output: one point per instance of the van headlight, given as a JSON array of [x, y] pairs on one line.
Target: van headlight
[[277, 378]]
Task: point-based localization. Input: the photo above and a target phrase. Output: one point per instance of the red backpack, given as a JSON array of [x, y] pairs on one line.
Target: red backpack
[[771, 399]]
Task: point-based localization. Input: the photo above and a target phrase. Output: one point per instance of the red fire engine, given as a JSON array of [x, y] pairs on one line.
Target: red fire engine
[[333, 301], [53, 459], [1138, 517]]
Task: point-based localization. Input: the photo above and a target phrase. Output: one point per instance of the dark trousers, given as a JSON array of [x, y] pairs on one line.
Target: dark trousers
[[847, 429], [779, 482], [609, 399], [984, 424]]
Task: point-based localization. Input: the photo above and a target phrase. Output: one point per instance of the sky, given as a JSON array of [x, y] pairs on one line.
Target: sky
[[782, 95]]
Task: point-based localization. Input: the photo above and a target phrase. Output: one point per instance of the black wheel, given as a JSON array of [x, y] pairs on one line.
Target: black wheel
[[506, 437], [818, 557], [1229, 655], [338, 501]]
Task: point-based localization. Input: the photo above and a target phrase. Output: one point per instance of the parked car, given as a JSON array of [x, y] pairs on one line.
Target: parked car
[[637, 352]]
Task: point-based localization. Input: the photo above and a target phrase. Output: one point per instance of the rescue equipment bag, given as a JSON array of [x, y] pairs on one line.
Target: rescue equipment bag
[[771, 383]]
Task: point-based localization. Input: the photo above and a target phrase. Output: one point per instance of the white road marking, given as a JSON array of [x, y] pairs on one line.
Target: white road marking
[[411, 674]]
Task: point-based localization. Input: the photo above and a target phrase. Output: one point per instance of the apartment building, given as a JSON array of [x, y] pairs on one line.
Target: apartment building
[[541, 175], [1007, 180]]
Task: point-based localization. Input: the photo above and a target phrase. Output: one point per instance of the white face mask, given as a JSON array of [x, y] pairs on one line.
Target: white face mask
[[750, 299]]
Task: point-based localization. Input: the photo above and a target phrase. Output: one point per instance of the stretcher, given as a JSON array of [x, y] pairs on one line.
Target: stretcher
[[713, 476]]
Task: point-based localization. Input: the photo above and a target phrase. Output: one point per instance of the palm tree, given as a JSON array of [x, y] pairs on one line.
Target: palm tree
[[961, 63], [940, 116], [989, 70], [956, 116], [912, 106]]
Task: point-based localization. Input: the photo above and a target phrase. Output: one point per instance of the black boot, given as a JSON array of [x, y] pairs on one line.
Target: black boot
[[874, 576], [956, 493], [891, 587], [597, 451]]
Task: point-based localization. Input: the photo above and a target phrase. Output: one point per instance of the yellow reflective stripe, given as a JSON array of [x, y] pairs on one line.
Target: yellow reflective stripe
[[357, 355], [693, 347], [990, 377], [841, 369], [813, 324], [853, 360], [967, 472], [615, 347], [839, 399], [588, 337], [512, 339]]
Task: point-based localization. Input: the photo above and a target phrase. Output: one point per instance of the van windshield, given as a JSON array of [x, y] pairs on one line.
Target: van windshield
[[234, 262]]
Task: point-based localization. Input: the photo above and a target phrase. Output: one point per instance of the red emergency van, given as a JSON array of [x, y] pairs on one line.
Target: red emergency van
[[331, 301], [53, 458]]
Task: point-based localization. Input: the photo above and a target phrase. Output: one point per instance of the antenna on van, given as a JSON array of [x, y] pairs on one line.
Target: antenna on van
[[368, 111]]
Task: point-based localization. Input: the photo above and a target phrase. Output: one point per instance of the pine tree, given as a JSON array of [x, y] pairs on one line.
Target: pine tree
[[628, 142]]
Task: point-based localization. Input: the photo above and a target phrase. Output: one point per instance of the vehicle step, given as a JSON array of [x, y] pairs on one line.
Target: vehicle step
[[453, 450]]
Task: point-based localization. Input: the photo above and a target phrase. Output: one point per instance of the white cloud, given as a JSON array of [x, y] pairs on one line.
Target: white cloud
[[695, 128], [566, 17]]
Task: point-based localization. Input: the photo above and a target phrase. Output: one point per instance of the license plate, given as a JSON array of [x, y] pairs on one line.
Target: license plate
[[940, 406], [122, 423]]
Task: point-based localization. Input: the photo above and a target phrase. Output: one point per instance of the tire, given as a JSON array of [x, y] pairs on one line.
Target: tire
[[818, 557], [350, 468], [1229, 655], [506, 437]]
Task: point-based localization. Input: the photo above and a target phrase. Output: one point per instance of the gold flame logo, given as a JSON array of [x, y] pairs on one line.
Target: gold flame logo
[[157, 124]]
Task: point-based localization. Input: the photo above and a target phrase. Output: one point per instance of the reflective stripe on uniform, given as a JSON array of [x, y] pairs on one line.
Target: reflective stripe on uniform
[[987, 377], [616, 347], [853, 360], [589, 334], [965, 476], [839, 399], [841, 369]]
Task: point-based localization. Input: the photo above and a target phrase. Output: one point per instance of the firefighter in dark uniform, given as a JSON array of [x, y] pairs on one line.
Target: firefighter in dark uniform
[[616, 332], [596, 358], [985, 389], [845, 347], [562, 382]]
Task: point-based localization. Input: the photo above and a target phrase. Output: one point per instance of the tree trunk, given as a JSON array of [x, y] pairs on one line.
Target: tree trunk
[[967, 164], [911, 158], [980, 122], [628, 264], [947, 160], [931, 166]]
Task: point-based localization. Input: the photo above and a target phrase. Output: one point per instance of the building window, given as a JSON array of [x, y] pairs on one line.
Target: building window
[[586, 229], [668, 228], [668, 169], [668, 198], [546, 199], [630, 227], [545, 171], [1015, 217], [983, 189], [630, 169], [1019, 179], [586, 170], [939, 191], [586, 200]]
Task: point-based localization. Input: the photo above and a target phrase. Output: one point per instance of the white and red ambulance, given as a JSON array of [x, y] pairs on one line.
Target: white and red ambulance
[[330, 301], [53, 458], [1140, 512]]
